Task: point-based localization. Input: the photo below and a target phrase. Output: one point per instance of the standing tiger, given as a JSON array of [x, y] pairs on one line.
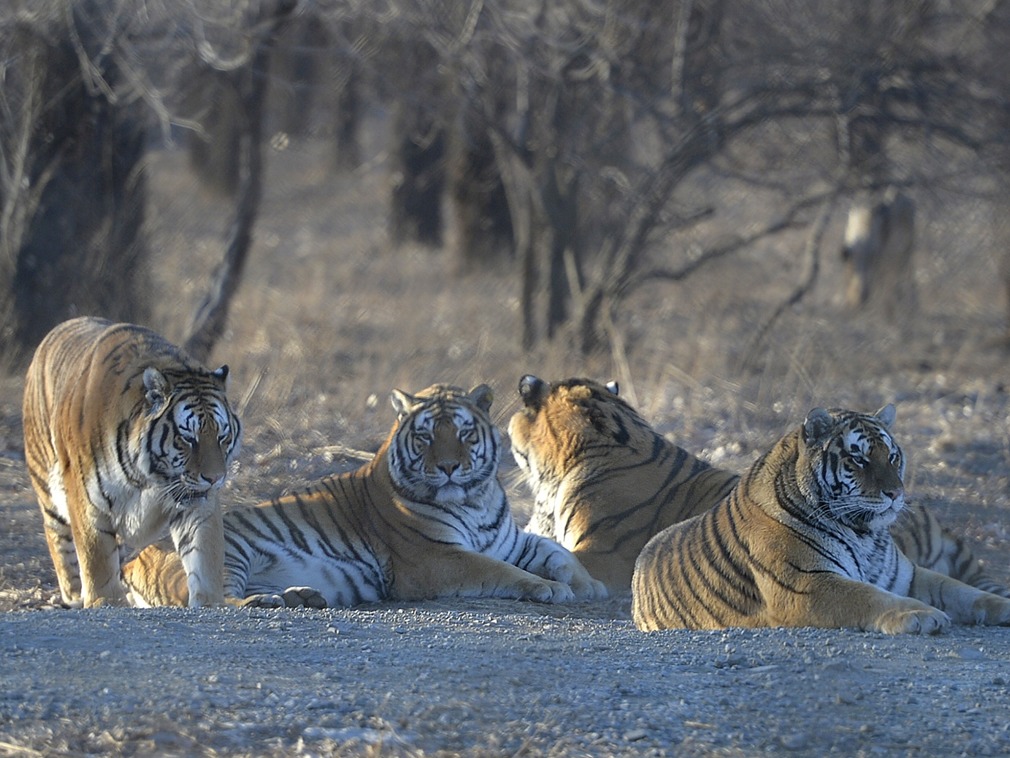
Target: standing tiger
[[604, 482], [126, 437], [425, 518], [803, 540]]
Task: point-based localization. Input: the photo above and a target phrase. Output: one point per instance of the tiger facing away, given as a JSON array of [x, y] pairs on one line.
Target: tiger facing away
[[803, 540], [604, 482], [126, 438], [425, 518]]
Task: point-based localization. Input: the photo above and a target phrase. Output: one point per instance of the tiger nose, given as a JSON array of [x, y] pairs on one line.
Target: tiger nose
[[893, 492], [448, 467]]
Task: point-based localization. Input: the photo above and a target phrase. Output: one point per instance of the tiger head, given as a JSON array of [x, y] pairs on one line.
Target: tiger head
[[445, 448], [560, 423], [850, 465], [190, 433]]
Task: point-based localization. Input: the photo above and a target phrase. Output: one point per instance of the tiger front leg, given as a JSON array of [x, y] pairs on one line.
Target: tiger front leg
[[198, 534], [549, 559], [460, 573], [964, 603], [833, 601], [98, 558]]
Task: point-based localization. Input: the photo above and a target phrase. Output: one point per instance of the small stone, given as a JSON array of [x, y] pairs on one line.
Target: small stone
[[795, 741]]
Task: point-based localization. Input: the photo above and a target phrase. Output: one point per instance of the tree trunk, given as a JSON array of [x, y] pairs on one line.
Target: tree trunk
[[251, 84], [479, 204], [418, 176], [73, 214], [215, 152], [417, 155]]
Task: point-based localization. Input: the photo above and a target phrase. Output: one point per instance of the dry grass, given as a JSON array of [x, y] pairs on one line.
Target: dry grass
[[329, 319]]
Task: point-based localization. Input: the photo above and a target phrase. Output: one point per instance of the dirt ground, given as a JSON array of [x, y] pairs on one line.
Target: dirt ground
[[330, 319]]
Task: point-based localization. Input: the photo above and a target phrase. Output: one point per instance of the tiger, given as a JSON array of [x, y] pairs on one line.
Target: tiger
[[127, 439], [877, 253], [604, 482], [426, 518], [804, 540]]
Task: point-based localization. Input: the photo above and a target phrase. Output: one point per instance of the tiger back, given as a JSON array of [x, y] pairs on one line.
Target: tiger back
[[425, 518], [803, 540], [604, 482], [127, 438]]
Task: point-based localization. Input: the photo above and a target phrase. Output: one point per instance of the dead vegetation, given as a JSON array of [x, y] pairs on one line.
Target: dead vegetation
[[331, 317]]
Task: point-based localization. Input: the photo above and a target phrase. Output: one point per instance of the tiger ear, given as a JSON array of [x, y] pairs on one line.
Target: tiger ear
[[532, 390], [613, 388], [817, 425], [482, 396], [887, 414], [403, 403], [155, 390], [221, 374]]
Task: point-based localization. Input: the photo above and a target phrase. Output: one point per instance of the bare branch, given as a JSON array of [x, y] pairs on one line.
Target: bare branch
[[813, 254], [732, 245]]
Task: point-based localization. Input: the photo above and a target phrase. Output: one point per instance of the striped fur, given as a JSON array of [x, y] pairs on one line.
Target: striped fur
[[604, 482], [803, 540], [126, 439], [425, 518]]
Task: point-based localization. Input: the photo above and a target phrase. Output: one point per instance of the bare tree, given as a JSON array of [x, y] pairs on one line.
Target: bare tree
[[72, 186], [880, 74], [87, 81], [479, 203]]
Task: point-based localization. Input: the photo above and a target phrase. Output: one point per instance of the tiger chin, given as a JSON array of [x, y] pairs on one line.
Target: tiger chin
[[127, 438], [803, 540], [604, 482], [425, 518]]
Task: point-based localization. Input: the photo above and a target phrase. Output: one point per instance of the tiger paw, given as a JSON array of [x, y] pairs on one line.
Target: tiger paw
[[114, 600], [991, 610], [584, 586], [565, 568], [264, 600], [303, 597], [205, 600], [546, 591], [589, 589], [916, 621]]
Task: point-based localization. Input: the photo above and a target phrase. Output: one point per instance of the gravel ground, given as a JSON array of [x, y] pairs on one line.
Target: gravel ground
[[487, 678]]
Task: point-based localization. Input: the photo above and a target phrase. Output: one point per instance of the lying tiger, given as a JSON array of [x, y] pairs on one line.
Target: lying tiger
[[803, 540], [604, 482], [425, 518]]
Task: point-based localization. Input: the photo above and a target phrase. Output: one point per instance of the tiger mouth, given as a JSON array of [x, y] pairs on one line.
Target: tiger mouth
[[187, 494], [872, 519], [192, 497]]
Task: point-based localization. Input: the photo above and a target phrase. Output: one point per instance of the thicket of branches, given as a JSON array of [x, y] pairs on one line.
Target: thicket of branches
[[560, 130]]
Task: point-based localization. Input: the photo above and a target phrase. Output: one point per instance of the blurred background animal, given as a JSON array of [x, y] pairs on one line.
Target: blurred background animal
[[877, 252]]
